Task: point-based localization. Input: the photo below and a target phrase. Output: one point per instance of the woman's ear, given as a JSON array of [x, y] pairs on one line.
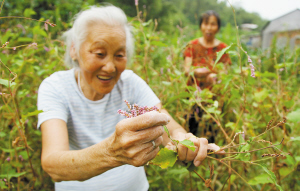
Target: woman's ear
[[73, 52]]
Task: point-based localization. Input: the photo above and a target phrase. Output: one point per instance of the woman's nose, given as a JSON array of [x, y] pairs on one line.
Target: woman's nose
[[109, 66]]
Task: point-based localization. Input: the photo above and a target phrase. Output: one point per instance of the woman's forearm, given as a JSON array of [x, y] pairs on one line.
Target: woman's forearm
[[80, 164]]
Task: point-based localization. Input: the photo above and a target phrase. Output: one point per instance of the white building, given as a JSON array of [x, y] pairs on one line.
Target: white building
[[287, 29]]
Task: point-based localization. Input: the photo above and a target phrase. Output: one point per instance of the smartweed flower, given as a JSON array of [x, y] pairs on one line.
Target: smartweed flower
[[136, 110], [21, 157], [161, 71], [48, 23], [5, 44], [34, 44], [251, 67]]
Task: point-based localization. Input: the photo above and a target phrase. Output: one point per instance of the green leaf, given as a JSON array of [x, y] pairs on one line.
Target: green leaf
[[7, 83], [159, 43], [244, 156], [147, 23], [189, 144], [177, 72], [10, 175], [295, 139], [36, 112], [179, 96], [7, 150], [271, 175], [261, 96], [2, 185], [28, 12], [165, 158], [176, 172], [10, 150], [216, 104], [230, 124], [260, 179], [39, 31], [284, 171], [213, 110], [166, 130], [267, 74], [24, 39], [220, 54], [290, 160], [2, 134], [191, 167], [294, 116], [166, 83]]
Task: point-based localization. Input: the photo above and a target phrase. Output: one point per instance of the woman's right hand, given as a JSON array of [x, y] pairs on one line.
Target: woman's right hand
[[201, 72], [132, 141]]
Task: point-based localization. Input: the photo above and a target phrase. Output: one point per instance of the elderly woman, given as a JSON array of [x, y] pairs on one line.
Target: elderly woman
[[201, 54], [87, 145]]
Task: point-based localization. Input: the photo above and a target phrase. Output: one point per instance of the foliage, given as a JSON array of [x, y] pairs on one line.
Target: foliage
[[238, 103], [169, 13]]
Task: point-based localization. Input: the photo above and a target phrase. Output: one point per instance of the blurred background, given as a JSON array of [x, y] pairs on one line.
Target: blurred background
[[269, 30]]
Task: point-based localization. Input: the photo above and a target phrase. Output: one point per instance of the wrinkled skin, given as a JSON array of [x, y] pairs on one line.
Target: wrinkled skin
[[132, 141], [201, 147]]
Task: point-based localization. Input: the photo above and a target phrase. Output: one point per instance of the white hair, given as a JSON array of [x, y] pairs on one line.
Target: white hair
[[108, 15]]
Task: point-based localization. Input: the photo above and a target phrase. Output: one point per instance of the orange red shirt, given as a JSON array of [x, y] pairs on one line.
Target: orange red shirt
[[205, 57]]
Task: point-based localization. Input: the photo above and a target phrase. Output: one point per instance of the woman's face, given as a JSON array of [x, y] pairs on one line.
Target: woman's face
[[209, 27], [102, 59]]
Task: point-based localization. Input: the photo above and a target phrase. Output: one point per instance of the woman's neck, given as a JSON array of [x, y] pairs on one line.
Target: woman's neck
[[209, 43], [88, 93]]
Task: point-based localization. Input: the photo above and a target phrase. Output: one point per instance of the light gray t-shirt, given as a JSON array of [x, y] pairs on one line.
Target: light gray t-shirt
[[90, 122]]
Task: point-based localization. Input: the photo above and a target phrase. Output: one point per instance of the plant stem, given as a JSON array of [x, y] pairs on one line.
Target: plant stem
[[225, 182], [232, 170], [146, 46], [2, 6], [202, 179], [161, 177], [255, 149], [217, 122]]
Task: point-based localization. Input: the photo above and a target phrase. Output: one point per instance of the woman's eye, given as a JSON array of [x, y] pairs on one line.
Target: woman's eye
[[120, 56], [100, 54]]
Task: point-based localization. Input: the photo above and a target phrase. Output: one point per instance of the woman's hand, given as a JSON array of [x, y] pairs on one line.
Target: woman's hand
[[201, 147], [132, 141], [211, 79], [201, 72]]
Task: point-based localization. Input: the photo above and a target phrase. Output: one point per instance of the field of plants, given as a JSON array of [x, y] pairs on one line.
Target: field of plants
[[254, 119]]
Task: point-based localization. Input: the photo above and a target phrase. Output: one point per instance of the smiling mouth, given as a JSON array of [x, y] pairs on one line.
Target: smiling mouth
[[105, 78]]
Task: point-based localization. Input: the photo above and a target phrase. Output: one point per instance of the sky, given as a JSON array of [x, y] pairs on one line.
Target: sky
[[267, 9]]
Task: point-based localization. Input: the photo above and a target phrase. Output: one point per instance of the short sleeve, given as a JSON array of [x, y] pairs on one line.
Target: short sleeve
[[143, 94], [51, 102], [188, 52]]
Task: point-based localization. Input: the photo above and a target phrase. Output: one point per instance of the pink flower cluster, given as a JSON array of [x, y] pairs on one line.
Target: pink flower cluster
[[4, 45], [8, 159], [135, 110], [251, 67], [48, 23]]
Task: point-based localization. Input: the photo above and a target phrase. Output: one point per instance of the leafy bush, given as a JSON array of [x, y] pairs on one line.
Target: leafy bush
[[238, 103]]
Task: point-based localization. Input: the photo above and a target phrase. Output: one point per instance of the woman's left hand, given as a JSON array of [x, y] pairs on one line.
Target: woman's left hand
[[187, 155]]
